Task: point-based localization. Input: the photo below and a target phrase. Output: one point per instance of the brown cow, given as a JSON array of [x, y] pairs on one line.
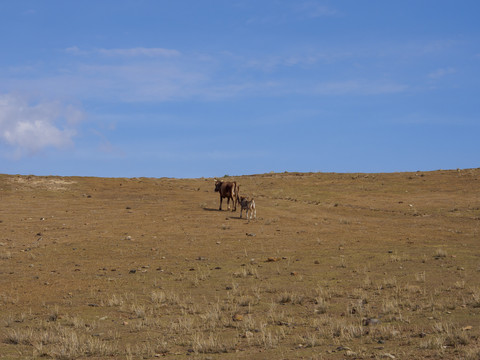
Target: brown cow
[[227, 190]]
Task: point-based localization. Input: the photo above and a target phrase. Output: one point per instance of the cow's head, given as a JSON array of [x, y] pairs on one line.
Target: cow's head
[[218, 184]]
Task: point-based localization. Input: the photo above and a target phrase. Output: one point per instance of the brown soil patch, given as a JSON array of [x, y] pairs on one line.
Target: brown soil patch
[[336, 266]]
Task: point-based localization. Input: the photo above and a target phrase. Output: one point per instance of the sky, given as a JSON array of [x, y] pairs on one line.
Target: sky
[[207, 88]]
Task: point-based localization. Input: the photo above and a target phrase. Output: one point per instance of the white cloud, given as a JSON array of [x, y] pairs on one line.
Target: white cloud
[[272, 63], [30, 128], [140, 51], [314, 10], [357, 87], [437, 74], [125, 52], [75, 50]]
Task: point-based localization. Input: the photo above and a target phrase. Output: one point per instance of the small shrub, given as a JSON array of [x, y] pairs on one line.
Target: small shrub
[[440, 254]]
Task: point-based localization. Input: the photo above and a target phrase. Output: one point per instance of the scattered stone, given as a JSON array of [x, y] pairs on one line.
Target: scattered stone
[[370, 321], [251, 234], [387, 355], [316, 262], [133, 271], [467, 328], [248, 334], [272, 259], [237, 317]]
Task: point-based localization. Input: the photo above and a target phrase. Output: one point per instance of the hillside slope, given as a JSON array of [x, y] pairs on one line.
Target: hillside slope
[[335, 266]]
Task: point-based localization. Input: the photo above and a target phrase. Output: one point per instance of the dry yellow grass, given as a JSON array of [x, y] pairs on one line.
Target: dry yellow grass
[[336, 266]]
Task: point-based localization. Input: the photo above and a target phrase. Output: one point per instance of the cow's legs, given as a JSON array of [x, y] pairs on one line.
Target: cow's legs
[[228, 203], [220, 208]]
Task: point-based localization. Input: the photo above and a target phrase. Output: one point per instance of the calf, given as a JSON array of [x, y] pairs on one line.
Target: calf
[[248, 206], [227, 190]]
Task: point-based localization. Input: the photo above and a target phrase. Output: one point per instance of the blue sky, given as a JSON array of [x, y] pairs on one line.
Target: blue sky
[[204, 88]]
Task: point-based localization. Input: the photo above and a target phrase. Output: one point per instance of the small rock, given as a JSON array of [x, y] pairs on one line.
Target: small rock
[[248, 334], [370, 321], [467, 328], [237, 317], [389, 356], [251, 234], [133, 271]]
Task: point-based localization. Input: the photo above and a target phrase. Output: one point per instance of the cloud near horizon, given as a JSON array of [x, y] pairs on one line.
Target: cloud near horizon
[[29, 128], [126, 52]]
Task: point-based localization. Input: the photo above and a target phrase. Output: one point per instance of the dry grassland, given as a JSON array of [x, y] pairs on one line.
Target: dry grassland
[[337, 266]]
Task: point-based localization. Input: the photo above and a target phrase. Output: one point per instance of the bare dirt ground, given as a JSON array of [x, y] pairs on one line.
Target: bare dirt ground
[[337, 266]]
